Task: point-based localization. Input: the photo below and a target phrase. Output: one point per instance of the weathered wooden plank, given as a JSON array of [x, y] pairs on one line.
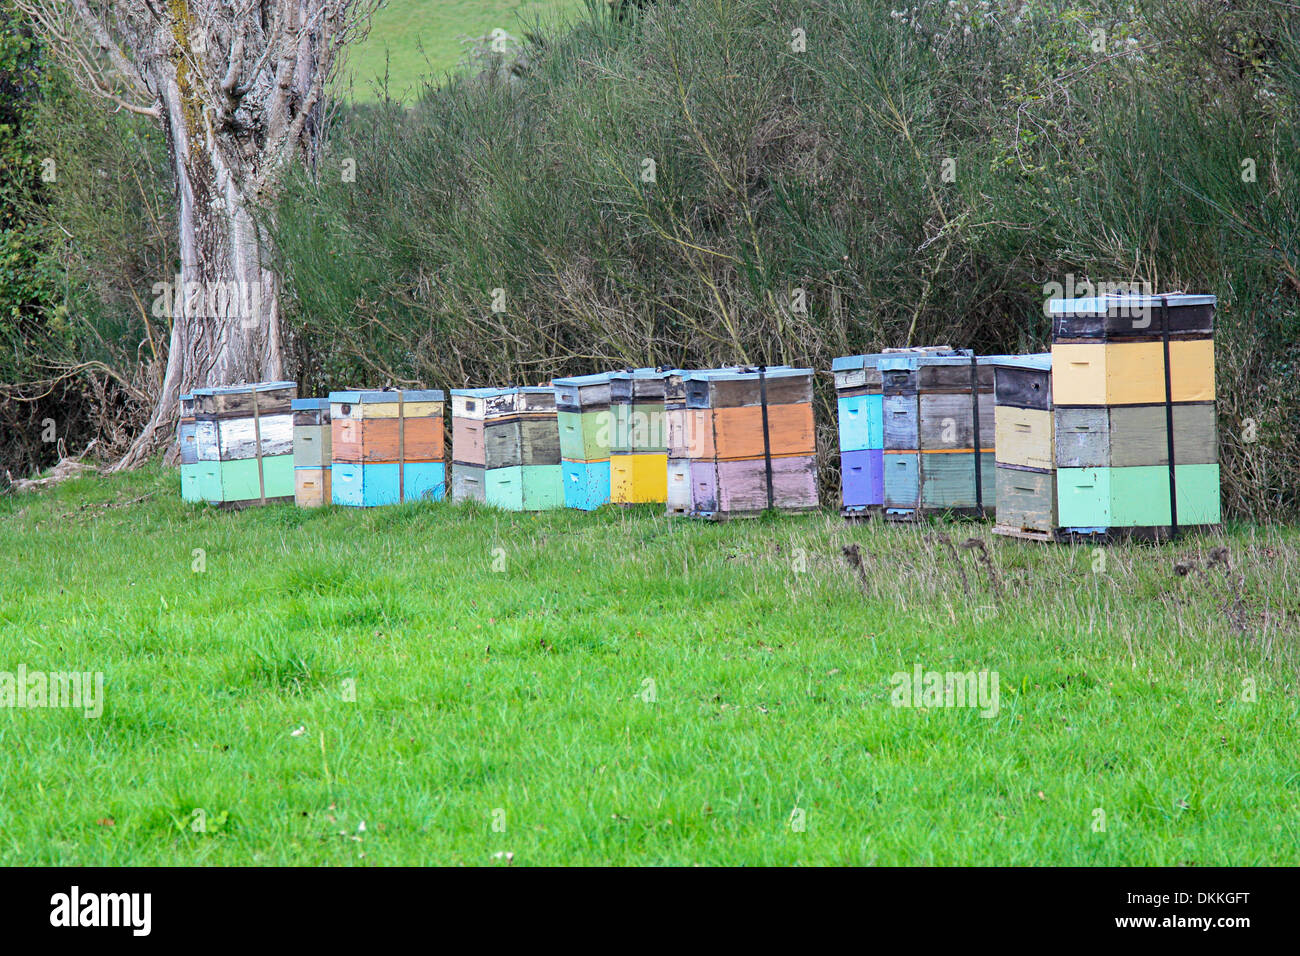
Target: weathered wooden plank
[[946, 421], [1131, 315], [900, 414], [582, 393], [1027, 385], [467, 483], [240, 401], [1135, 435], [679, 486], [742, 485], [704, 486], [502, 444], [1026, 500], [539, 442], [948, 480]]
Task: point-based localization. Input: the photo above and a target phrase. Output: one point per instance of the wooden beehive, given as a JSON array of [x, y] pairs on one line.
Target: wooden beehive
[[506, 448], [1124, 367], [761, 447], [312, 456], [243, 438], [1026, 467], [585, 423], [638, 461], [938, 432], [187, 442], [860, 408], [387, 446]]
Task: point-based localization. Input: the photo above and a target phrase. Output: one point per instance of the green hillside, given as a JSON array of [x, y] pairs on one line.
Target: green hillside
[[419, 38]]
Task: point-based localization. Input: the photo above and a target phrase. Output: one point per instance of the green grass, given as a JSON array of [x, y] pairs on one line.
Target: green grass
[[417, 39], [524, 690]]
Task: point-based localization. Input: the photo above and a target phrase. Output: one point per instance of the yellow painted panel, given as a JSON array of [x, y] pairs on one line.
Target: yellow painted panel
[[410, 409], [1024, 436], [1079, 374], [621, 479], [1132, 373], [650, 477]]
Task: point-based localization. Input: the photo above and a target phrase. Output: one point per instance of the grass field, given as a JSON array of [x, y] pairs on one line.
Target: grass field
[[626, 688], [417, 39]]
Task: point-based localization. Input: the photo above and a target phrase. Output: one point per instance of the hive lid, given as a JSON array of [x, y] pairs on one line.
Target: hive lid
[[1039, 361], [487, 392], [1103, 305], [578, 381], [310, 404], [250, 387], [378, 397]]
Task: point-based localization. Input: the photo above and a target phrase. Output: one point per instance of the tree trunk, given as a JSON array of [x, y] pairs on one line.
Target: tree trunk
[[224, 305]]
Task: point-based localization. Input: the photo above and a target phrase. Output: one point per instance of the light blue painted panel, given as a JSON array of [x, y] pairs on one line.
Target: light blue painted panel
[[586, 484]]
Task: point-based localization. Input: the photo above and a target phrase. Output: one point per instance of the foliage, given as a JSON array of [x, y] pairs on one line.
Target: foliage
[[822, 177]]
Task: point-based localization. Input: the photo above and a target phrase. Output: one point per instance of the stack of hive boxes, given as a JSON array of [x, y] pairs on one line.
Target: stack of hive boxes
[[681, 437], [860, 404], [387, 447], [1122, 367], [506, 448], [756, 448], [311, 452], [938, 431], [1026, 450], [638, 455], [189, 448], [586, 429], [244, 439]]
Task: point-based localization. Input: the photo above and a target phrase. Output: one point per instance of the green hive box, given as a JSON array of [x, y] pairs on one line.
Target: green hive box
[[1136, 497]]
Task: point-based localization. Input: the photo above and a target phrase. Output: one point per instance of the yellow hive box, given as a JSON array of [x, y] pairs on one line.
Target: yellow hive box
[[1132, 373], [1024, 436], [638, 478]]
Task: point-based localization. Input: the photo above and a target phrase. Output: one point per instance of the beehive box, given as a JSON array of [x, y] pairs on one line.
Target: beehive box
[[387, 447], [1025, 448], [311, 452], [638, 460], [860, 410], [761, 451], [506, 448], [243, 436], [189, 450], [1124, 368], [585, 423], [938, 432], [680, 438]]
